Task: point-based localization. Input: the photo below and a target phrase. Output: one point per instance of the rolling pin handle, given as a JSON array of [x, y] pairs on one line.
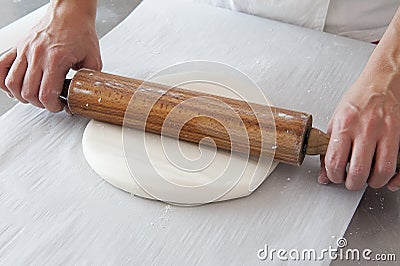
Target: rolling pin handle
[[64, 92], [317, 142]]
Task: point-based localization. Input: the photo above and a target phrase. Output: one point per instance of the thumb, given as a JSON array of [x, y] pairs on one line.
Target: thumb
[[6, 61], [322, 176], [93, 62]]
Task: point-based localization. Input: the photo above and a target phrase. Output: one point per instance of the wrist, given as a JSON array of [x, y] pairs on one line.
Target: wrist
[[383, 67], [74, 11], [382, 73]]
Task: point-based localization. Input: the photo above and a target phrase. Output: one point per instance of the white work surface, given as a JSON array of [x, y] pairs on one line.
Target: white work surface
[[54, 209]]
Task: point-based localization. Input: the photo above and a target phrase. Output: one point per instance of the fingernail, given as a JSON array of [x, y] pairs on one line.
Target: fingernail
[[393, 188], [323, 178], [324, 182], [9, 94], [67, 111]]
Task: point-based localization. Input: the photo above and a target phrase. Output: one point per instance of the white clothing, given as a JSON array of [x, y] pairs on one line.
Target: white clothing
[[364, 20]]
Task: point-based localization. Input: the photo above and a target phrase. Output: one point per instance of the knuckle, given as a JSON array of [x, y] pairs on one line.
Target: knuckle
[[27, 94], [38, 49], [22, 48], [347, 118], [45, 97], [353, 186], [10, 82], [56, 57], [386, 172], [371, 124], [335, 175], [3, 63], [392, 123], [36, 54], [334, 163], [49, 102], [358, 171]]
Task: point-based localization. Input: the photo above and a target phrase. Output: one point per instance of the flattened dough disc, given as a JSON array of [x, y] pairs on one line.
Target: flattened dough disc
[[104, 151]]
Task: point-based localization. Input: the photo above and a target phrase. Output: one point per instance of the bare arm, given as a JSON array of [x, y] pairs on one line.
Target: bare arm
[[65, 38], [365, 127]]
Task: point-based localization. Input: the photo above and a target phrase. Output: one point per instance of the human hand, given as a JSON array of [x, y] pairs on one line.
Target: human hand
[[365, 131], [34, 71]]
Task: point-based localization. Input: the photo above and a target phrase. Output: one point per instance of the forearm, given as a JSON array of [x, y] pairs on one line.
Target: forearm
[[384, 63]]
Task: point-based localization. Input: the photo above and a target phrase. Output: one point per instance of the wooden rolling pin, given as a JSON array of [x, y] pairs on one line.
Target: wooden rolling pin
[[106, 97]]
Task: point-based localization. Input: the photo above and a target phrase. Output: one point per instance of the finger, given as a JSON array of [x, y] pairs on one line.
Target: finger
[[31, 85], [360, 163], [16, 76], [337, 156], [50, 90], [394, 183], [323, 177], [9, 94], [385, 161], [90, 62], [6, 61], [93, 62]]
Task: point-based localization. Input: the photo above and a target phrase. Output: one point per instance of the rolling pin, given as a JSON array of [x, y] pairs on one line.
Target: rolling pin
[[106, 97]]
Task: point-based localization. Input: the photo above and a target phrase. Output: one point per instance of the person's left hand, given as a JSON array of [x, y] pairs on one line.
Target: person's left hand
[[65, 38], [365, 132]]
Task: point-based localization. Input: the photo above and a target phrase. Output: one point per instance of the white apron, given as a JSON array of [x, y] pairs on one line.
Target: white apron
[[364, 20]]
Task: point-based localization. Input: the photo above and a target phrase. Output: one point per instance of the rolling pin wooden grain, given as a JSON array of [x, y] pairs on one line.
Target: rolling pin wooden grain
[[106, 97]]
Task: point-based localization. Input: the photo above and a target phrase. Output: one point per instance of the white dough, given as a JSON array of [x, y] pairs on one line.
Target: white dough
[[103, 147]]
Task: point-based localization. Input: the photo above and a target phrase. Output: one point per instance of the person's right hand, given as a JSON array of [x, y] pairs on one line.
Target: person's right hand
[[34, 71]]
